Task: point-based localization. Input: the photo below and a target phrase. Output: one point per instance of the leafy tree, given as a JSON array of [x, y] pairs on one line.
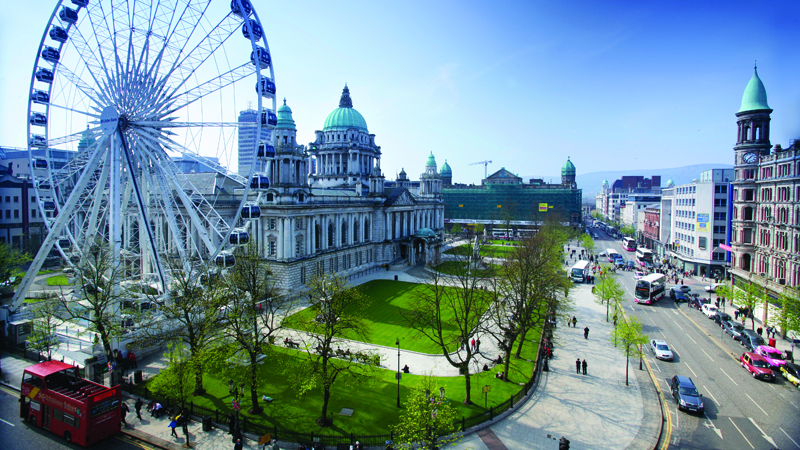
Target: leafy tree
[[479, 228], [456, 229], [587, 243], [253, 312], [608, 290], [176, 382], [46, 318], [628, 337], [750, 296], [530, 286], [339, 310], [627, 230], [427, 416], [789, 313], [10, 260], [449, 311]]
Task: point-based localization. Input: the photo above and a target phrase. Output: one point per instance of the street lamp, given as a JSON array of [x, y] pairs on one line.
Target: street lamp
[[397, 343]]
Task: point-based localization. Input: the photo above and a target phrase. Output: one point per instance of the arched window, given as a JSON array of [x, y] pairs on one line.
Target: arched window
[[317, 236], [747, 213], [344, 232], [366, 230], [744, 262], [331, 234], [355, 231]]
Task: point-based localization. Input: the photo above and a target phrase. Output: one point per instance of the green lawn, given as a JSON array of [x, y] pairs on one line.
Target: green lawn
[[374, 404], [502, 242], [456, 267], [384, 316], [58, 280], [494, 251]]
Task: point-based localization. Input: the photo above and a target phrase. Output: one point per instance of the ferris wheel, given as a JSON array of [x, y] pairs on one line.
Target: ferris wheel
[[136, 134]]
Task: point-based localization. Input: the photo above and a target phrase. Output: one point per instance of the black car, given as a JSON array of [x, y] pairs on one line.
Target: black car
[[750, 339], [685, 393], [697, 302], [733, 328], [720, 317]]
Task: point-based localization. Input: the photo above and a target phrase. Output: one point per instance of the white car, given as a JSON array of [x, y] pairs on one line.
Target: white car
[[637, 275], [709, 310], [661, 349], [712, 287]]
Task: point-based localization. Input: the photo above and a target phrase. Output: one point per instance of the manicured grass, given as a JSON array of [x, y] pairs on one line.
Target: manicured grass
[[461, 250], [456, 267], [374, 404], [384, 316], [58, 280], [502, 242], [494, 251]]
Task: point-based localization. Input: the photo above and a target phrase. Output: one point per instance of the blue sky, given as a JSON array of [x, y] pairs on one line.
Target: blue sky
[[612, 85]]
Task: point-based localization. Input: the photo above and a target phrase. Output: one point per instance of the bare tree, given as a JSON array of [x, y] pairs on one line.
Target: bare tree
[[338, 311], [46, 318], [449, 311]]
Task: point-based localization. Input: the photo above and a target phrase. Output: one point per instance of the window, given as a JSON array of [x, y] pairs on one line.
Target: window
[[16, 199], [33, 213], [8, 199], [720, 202], [272, 224], [16, 214], [273, 247], [719, 229], [719, 216], [721, 189], [8, 214], [701, 242]]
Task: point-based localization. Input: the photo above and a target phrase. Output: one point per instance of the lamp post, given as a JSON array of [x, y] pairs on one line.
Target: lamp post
[[397, 343]]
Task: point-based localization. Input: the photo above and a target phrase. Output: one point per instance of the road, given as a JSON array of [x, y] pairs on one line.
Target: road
[[740, 412], [18, 435]]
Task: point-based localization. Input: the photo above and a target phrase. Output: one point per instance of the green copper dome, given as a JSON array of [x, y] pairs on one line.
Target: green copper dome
[[425, 233], [568, 169], [755, 96], [431, 161], [285, 120], [446, 170], [345, 117]]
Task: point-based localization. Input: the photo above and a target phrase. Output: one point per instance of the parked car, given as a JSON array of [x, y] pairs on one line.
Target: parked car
[[683, 288], [679, 296], [631, 264], [772, 355], [661, 349], [685, 393], [712, 287], [721, 317], [708, 309], [734, 329], [791, 373], [697, 302], [637, 275], [757, 366], [751, 340]]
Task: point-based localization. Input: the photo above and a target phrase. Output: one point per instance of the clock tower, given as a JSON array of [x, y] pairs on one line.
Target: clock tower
[[752, 143]]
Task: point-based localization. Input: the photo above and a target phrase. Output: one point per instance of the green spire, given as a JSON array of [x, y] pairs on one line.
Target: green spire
[[285, 120], [431, 161], [568, 169], [445, 170], [755, 96]]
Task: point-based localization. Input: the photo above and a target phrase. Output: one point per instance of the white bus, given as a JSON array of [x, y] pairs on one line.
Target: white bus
[[613, 255], [629, 244], [651, 288], [644, 256], [579, 271]]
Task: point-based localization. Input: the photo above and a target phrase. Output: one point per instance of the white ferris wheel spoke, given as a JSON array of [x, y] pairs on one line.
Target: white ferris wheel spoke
[[178, 101], [89, 58], [76, 111]]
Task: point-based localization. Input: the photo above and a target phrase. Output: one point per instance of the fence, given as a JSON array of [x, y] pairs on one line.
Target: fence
[[464, 424]]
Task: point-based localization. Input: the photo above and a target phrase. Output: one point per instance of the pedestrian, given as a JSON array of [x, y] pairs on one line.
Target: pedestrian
[[472, 344], [185, 427], [173, 424], [230, 423], [238, 445], [132, 360], [478, 345], [125, 411], [615, 320], [574, 321], [759, 330], [578, 366], [584, 366], [736, 314], [138, 406], [586, 333], [773, 332]]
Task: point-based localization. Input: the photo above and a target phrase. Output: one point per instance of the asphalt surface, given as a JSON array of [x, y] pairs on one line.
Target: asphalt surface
[[740, 412]]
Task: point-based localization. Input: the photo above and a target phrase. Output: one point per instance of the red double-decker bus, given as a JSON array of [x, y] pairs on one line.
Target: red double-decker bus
[[56, 398]]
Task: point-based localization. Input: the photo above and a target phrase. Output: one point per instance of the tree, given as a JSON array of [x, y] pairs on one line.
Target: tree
[[587, 243], [46, 318], [750, 296], [339, 310], [175, 382], [456, 229], [427, 416], [10, 260], [479, 227], [530, 287], [608, 290], [627, 230], [253, 312], [97, 297], [191, 313], [789, 313], [628, 337], [450, 311]]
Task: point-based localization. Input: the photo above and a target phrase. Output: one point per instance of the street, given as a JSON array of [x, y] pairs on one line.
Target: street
[[740, 411]]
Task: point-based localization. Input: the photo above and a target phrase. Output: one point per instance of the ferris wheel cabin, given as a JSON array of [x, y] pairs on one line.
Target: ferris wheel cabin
[[50, 54], [44, 185], [58, 34], [44, 75], [265, 151], [268, 117], [267, 87], [263, 57], [225, 259], [49, 205], [245, 10], [39, 163], [239, 237], [38, 96], [37, 140], [80, 3], [250, 211], [259, 181], [257, 31], [68, 15], [38, 119]]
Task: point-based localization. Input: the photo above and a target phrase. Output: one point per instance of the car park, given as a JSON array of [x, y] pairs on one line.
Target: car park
[[661, 350], [685, 393], [791, 373], [772, 355], [757, 366], [734, 329], [721, 317], [708, 309], [751, 340]]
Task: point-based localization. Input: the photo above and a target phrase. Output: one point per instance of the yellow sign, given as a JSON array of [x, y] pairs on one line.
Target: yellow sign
[[264, 440], [486, 389], [542, 207], [499, 206], [702, 226], [460, 206], [33, 393]]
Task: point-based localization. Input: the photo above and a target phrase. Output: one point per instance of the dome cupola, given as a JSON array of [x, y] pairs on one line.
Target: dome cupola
[[345, 116], [446, 170], [755, 95], [568, 169], [431, 162], [285, 119]]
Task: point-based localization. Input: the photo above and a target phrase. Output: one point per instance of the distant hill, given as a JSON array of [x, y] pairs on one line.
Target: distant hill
[[591, 182]]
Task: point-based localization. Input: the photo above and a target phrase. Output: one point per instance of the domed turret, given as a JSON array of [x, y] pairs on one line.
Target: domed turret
[[755, 95], [345, 116], [670, 183], [431, 162], [568, 174], [285, 119], [445, 170]]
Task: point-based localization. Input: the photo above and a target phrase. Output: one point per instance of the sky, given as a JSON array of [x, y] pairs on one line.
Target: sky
[[525, 84]]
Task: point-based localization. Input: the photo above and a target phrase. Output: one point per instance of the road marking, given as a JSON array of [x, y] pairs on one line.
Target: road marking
[[712, 396], [656, 365], [687, 365], [679, 326], [740, 432], [662, 334], [790, 438], [709, 356], [651, 320], [754, 402], [6, 422], [631, 307], [763, 435], [726, 374], [710, 424], [676, 312], [690, 338]]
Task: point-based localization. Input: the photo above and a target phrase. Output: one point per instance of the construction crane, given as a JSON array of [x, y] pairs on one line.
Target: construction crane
[[485, 167]]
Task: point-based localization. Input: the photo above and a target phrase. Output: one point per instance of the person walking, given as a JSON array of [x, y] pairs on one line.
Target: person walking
[[584, 366], [574, 321], [578, 366], [472, 344], [173, 424], [125, 411], [478, 345], [238, 445], [586, 333], [132, 360], [138, 406]]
